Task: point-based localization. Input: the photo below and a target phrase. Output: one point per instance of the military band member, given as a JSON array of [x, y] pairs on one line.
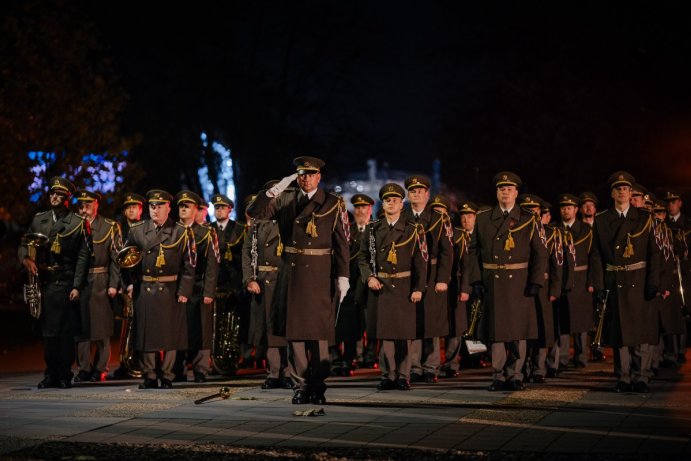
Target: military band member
[[458, 309], [393, 266], [61, 267], [626, 261], [535, 368], [587, 206], [261, 261], [314, 228], [200, 305], [231, 293], [672, 322], [575, 306], [165, 285], [638, 194], [131, 214], [350, 322], [431, 312], [509, 251], [680, 225], [102, 286]]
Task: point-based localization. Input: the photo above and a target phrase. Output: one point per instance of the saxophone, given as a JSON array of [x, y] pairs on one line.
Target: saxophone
[[32, 289]]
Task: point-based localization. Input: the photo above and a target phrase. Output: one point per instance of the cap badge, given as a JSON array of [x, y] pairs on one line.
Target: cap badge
[[621, 177], [504, 177]]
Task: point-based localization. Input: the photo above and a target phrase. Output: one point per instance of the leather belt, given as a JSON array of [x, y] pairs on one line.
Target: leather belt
[[625, 267], [395, 275], [508, 267], [308, 251], [582, 268], [162, 278], [267, 268], [98, 270]]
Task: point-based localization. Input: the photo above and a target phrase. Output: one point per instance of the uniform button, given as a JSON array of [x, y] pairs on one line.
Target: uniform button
[[292, 264], [617, 247], [509, 257], [160, 271], [496, 276], [496, 257], [294, 242], [148, 252], [497, 239], [619, 286], [393, 286], [148, 288], [266, 244], [510, 275], [148, 271], [309, 243], [160, 288], [268, 281], [307, 265]]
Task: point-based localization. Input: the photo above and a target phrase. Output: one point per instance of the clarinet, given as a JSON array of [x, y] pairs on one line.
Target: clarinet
[[372, 250], [253, 252]]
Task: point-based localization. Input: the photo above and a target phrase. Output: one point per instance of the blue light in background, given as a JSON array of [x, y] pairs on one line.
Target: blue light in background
[[226, 183], [103, 173]]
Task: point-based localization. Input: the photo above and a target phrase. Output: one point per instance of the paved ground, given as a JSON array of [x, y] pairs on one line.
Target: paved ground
[[572, 415]]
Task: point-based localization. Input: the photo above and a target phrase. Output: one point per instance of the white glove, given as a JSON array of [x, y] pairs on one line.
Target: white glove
[[343, 286], [281, 185]]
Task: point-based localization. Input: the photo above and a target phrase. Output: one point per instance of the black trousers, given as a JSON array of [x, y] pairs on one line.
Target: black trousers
[[59, 353]]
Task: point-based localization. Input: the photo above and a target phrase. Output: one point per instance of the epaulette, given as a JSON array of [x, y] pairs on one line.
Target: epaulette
[[181, 225], [603, 211], [485, 210], [79, 216], [646, 210], [138, 223], [339, 197], [110, 221], [42, 212]]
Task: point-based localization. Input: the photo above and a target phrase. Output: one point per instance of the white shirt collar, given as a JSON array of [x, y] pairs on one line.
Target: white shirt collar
[[308, 194]]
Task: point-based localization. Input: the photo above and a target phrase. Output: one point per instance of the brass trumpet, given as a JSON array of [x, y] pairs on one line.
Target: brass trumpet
[[475, 316], [128, 257], [600, 311], [32, 289]]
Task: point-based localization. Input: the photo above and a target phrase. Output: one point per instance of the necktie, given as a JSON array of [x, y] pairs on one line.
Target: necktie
[[221, 227], [390, 226], [506, 213], [361, 228], [302, 202], [158, 228]]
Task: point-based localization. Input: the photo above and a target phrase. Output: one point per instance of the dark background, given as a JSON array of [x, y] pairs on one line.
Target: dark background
[[561, 94]]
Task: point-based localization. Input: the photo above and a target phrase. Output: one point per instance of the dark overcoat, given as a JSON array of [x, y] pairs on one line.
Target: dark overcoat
[[508, 314], [458, 315], [63, 264], [200, 325], [575, 306], [350, 322], [630, 319], [161, 319], [395, 311], [264, 238], [96, 305], [553, 282], [681, 228], [432, 311], [305, 295], [672, 320]]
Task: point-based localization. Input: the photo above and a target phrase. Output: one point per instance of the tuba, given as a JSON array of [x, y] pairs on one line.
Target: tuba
[[32, 289], [225, 348]]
